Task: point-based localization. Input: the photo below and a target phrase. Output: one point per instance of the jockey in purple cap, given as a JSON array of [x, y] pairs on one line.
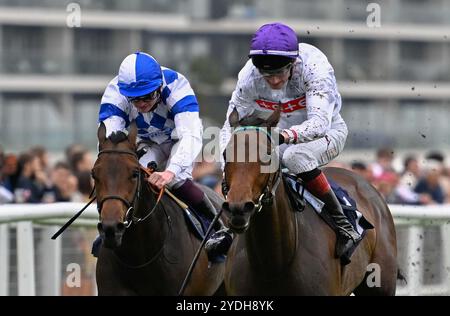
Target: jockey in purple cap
[[165, 109], [299, 78]]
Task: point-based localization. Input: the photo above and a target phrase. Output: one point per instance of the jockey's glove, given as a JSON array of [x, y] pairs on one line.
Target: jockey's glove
[[277, 136], [292, 136]]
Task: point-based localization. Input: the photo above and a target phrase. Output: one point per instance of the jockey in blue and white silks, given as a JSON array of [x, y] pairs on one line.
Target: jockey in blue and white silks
[[165, 109], [172, 117]]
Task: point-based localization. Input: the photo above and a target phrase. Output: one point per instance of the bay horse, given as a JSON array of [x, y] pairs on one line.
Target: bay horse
[[280, 251], [147, 247]]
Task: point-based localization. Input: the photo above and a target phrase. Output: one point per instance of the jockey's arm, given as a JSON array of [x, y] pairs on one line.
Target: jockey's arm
[[319, 84], [114, 123], [114, 109], [189, 130], [320, 105]]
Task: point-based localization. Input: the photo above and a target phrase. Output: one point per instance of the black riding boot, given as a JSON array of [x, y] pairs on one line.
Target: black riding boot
[[220, 242], [317, 183], [347, 235]]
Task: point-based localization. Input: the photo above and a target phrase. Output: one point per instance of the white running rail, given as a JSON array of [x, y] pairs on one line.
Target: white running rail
[[413, 219], [416, 219], [23, 216]]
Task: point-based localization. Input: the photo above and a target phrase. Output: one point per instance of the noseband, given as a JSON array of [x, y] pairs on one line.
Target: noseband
[[266, 197]]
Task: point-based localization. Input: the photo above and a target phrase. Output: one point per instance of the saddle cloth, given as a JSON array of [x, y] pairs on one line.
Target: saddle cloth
[[199, 224], [196, 221], [298, 195]]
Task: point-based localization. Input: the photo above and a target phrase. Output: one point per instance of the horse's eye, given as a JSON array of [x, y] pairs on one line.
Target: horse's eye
[[135, 174]]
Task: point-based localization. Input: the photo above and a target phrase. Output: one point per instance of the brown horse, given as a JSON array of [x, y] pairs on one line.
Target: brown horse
[[147, 246], [283, 252]]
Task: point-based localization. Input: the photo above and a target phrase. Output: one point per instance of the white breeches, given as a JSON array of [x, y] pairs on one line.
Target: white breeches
[[160, 153], [299, 158]]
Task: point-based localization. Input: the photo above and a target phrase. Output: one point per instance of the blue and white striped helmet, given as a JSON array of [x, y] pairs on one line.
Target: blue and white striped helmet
[[139, 74]]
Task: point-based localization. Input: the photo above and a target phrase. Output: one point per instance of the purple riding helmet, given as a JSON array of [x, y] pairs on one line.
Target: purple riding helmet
[[273, 47]]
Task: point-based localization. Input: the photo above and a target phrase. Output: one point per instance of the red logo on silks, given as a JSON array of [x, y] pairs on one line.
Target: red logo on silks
[[286, 107]]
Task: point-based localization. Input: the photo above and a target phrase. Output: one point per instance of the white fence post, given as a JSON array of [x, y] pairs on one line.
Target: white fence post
[[25, 259], [50, 261], [414, 257], [4, 259], [50, 252], [446, 254]]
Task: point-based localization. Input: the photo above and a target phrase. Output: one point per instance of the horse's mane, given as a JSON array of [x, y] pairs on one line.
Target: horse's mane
[[118, 137]]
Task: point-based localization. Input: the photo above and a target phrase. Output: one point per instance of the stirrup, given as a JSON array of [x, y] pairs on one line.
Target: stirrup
[[219, 243], [345, 228], [350, 233], [344, 243]]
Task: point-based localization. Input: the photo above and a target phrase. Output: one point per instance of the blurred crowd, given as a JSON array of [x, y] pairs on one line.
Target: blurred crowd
[[420, 181], [29, 178]]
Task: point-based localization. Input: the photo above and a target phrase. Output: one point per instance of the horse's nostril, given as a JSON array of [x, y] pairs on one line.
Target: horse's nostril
[[226, 206], [249, 206], [120, 227], [100, 227]]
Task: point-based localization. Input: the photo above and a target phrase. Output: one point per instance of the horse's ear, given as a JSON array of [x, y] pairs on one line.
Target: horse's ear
[[274, 118], [233, 119], [101, 133], [132, 133]]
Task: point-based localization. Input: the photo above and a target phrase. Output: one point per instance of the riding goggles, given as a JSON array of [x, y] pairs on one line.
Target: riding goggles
[[276, 72], [146, 98]]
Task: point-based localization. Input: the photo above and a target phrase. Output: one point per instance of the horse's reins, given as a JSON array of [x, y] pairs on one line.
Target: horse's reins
[[266, 197], [129, 216]]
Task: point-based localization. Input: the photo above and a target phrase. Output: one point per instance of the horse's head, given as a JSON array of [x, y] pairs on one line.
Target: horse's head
[[117, 179], [251, 168]]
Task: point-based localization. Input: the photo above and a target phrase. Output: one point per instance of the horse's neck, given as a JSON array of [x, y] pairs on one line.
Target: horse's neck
[[271, 239]]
